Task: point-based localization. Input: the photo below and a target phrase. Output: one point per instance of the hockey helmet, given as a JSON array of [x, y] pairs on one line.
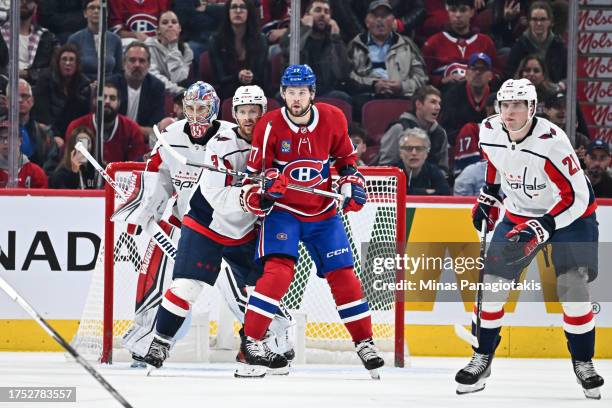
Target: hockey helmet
[[518, 90], [200, 106], [249, 95], [299, 75]]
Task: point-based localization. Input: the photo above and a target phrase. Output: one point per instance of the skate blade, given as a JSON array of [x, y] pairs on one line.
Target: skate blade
[[470, 389], [150, 369], [374, 373], [250, 371], [593, 393], [278, 371], [138, 364]]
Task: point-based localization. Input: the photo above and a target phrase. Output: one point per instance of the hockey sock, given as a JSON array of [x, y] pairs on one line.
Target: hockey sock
[[171, 314], [579, 326], [263, 302], [353, 309], [490, 326]]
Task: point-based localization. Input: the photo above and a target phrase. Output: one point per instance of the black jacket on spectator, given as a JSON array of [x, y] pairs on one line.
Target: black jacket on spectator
[[63, 177], [603, 189], [198, 25], [225, 67], [53, 107], [555, 57], [151, 105], [458, 109], [61, 17], [430, 177], [4, 56], [327, 57]]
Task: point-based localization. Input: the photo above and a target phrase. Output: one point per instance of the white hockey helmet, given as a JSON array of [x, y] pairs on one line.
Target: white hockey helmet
[[249, 95], [518, 90]]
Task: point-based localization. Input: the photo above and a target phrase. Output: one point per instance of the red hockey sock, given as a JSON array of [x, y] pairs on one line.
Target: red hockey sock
[[352, 307], [263, 302]]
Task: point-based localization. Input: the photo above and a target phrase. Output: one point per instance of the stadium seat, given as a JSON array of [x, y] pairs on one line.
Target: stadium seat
[[276, 66], [344, 106], [378, 113], [205, 70], [370, 153], [168, 104]]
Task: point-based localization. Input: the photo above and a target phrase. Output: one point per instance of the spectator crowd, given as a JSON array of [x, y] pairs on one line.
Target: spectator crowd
[[427, 71]]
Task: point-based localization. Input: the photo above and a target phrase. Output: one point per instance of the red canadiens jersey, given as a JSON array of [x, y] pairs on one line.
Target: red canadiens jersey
[[30, 175], [446, 55], [137, 15], [304, 154]]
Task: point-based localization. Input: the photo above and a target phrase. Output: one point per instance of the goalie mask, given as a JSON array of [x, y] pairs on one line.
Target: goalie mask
[[249, 95], [518, 90], [201, 107]]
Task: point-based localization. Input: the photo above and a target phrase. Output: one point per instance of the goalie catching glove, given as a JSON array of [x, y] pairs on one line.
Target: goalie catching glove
[[527, 237], [147, 201], [259, 201], [352, 186]]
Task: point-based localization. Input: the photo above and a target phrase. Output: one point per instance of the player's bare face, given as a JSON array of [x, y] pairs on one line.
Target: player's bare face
[[246, 117], [514, 114], [297, 100]]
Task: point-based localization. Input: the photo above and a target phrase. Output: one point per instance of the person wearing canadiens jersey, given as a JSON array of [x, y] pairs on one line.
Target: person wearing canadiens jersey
[[548, 200]]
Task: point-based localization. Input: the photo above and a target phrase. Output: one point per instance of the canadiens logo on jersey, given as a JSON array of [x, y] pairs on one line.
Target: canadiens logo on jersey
[[309, 173], [142, 23], [286, 146]]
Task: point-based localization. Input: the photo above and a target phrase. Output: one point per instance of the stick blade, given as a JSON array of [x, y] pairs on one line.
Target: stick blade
[[465, 335]]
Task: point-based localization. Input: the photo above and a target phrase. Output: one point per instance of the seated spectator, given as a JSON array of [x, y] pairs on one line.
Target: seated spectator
[[597, 161], [422, 177], [74, 171], [5, 8], [385, 64], [359, 137], [554, 110], [123, 140], [38, 143], [465, 101], [539, 39], [446, 53], [136, 20], [63, 93], [36, 56], [409, 15], [238, 51], [87, 41], [471, 179], [426, 108], [199, 20], [29, 175], [275, 19], [61, 17], [533, 68], [142, 95], [510, 20], [322, 48], [467, 151], [171, 58]]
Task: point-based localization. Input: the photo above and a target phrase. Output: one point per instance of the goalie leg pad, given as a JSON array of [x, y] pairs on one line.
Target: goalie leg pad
[[353, 309], [264, 301], [149, 193]]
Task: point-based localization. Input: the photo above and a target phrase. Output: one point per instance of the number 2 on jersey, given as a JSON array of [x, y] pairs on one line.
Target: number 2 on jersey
[[570, 162]]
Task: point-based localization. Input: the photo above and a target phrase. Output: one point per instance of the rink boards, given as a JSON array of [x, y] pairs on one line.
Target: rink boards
[[49, 243]]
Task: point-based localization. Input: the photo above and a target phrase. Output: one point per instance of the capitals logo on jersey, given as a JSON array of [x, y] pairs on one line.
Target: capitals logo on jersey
[[309, 173]]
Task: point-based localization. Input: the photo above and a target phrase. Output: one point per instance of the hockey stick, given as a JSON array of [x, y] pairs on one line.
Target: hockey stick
[[461, 331], [185, 161], [8, 289], [152, 228]]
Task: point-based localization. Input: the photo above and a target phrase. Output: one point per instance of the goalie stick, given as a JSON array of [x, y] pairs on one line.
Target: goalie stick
[[17, 298], [182, 159], [152, 228], [461, 331]]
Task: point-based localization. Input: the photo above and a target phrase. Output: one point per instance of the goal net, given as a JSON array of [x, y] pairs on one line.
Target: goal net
[[375, 232]]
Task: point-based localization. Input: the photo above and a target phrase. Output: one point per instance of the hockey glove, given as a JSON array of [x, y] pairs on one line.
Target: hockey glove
[[487, 208], [275, 184], [352, 186], [253, 200], [526, 238]]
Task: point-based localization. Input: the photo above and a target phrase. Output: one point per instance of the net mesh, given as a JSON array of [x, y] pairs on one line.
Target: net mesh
[[372, 233]]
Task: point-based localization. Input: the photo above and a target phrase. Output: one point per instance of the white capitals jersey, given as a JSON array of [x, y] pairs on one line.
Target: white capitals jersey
[[182, 178], [539, 175], [215, 205]]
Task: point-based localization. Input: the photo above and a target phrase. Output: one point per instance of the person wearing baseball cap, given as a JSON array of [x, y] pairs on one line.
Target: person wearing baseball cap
[[597, 161]]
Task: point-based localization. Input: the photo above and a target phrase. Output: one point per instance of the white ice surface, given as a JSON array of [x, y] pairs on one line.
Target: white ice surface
[[429, 382]]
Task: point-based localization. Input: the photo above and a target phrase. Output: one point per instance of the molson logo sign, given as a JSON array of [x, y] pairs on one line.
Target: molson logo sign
[[595, 20], [597, 115], [595, 91], [597, 43], [595, 67]]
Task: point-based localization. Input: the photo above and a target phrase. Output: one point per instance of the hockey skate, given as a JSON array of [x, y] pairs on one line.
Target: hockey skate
[[588, 378], [473, 376], [158, 352], [255, 360], [367, 352], [279, 345], [138, 361]]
